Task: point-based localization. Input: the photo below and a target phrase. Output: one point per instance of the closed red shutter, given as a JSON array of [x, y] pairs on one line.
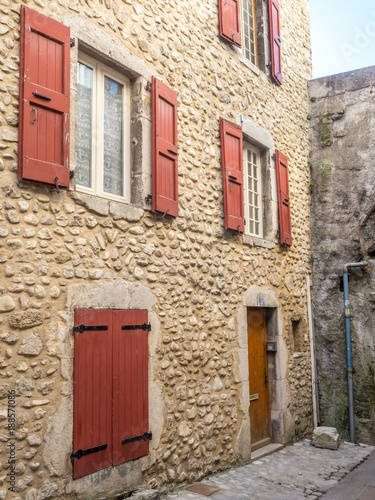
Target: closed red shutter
[[231, 158], [44, 99], [283, 197], [110, 389], [130, 389], [230, 21], [275, 41], [92, 412], [164, 149]]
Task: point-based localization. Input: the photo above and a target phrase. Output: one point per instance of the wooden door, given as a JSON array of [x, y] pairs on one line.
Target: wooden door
[[258, 378]]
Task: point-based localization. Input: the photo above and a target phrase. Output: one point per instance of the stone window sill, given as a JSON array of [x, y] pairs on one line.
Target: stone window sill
[[106, 207], [249, 64], [257, 242]]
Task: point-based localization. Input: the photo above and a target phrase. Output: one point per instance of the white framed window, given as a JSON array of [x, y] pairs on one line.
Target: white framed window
[[252, 190], [249, 32], [103, 131]]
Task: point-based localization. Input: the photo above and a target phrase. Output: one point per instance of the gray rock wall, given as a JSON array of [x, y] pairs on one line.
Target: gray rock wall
[[343, 197]]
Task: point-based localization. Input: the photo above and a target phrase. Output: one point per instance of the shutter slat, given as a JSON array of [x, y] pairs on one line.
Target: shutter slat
[[231, 157], [230, 21], [275, 41], [130, 403], [92, 411], [44, 124], [283, 198], [164, 149]]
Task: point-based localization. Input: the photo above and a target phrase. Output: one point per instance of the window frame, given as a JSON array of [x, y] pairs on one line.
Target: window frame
[[100, 71], [247, 146], [255, 31]]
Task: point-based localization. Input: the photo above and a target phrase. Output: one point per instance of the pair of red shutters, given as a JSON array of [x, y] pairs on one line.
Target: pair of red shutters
[[230, 30], [44, 114], [231, 150], [110, 388]]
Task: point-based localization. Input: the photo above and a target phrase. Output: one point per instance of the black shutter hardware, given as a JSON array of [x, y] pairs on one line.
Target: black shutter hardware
[[41, 96], [83, 328], [145, 436], [145, 326], [81, 453]]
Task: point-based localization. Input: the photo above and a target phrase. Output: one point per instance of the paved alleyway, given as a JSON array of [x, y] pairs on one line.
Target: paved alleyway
[[294, 473]]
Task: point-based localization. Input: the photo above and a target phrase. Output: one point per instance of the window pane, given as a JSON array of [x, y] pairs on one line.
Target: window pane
[[84, 125], [249, 30], [253, 191], [113, 180]]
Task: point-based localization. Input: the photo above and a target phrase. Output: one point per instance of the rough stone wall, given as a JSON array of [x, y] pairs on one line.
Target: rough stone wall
[[342, 131], [196, 272]]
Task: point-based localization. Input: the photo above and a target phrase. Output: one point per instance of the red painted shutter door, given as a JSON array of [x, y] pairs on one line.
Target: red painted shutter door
[[44, 99], [230, 21], [283, 197], [231, 158], [275, 41], [92, 411], [164, 149], [130, 389]]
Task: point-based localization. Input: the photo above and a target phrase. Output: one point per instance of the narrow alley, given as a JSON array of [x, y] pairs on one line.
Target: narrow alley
[[295, 472]]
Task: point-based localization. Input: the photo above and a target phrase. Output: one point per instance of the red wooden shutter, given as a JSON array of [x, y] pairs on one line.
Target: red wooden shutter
[[130, 389], [283, 196], [44, 99], [231, 158], [164, 149], [275, 41], [230, 21], [92, 411]]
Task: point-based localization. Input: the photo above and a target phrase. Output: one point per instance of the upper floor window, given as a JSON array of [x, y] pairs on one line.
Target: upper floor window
[[254, 27], [252, 190], [103, 131], [249, 30]]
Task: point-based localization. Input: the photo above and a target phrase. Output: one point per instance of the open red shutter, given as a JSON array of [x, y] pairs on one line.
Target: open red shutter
[[230, 21], [231, 158], [44, 99], [164, 149], [275, 41], [92, 411], [130, 389], [283, 197]]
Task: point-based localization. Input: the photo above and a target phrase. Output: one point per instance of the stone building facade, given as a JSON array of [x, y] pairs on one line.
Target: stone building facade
[[68, 246], [342, 232]]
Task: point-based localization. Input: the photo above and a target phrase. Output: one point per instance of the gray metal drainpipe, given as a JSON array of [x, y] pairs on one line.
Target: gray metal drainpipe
[[349, 344]]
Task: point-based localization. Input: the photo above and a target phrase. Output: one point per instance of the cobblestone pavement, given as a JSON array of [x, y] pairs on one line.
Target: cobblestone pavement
[[296, 472]]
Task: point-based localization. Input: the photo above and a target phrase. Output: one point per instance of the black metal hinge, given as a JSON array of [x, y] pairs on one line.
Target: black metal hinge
[[145, 326], [81, 453], [84, 328], [144, 437], [72, 42], [41, 96]]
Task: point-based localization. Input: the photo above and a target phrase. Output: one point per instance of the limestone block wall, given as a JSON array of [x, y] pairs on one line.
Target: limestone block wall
[[342, 132], [62, 250]]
